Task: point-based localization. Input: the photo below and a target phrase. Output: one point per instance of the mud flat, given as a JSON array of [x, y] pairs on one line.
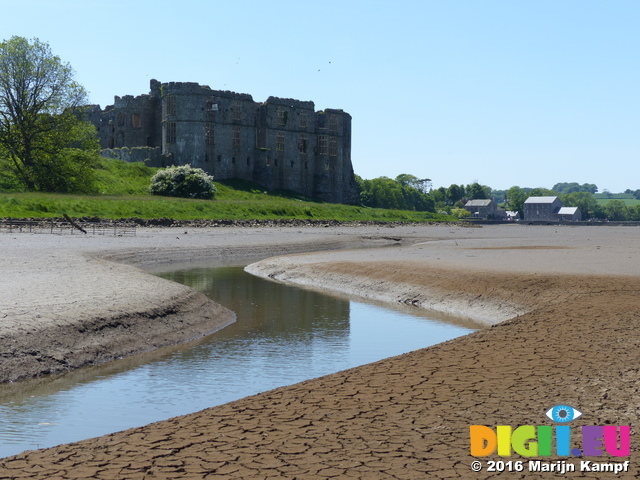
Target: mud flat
[[569, 336], [73, 300]]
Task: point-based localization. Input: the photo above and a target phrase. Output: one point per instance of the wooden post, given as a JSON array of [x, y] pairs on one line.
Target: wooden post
[[73, 224]]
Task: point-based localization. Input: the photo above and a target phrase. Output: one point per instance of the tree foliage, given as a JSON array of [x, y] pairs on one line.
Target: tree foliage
[[455, 193], [42, 136], [515, 198], [183, 181], [541, 192], [616, 210], [403, 193], [585, 201], [572, 187], [475, 191]]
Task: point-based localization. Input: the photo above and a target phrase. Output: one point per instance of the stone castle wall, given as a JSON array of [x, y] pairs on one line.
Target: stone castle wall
[[280, 144]]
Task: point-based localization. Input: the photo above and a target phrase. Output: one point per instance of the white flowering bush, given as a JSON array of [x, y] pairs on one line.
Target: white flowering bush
[[182, 181]]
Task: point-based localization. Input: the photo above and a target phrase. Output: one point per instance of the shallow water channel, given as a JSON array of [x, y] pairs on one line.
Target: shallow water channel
[[282, 335]]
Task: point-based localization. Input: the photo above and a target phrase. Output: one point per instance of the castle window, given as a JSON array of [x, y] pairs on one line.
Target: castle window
[[322, 144], [236, 108], [280, 141], [267, 162], [322, 121], [233, 160], [121, 118], [211, 107], [236, 136], [135, 121], [170, 105], [302, 143], [170, 133], [208, 134], [248, 161], [333, 146], [333, 123], [282, 115], [293, 164], [303, 120]]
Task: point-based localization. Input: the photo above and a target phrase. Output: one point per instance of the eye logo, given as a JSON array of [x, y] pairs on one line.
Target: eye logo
[[563, 413]]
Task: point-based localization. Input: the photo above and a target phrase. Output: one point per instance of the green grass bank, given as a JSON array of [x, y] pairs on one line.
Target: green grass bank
[[122, 194]]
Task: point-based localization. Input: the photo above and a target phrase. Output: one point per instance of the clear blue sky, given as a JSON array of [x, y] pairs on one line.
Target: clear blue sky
[[503, 92]]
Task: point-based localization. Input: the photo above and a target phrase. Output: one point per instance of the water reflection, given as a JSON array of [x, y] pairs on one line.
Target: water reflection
[[282, 335], [269, 307]]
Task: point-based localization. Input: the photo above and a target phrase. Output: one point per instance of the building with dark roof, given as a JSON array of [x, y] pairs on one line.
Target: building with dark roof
[[542, 209], [485, 209]]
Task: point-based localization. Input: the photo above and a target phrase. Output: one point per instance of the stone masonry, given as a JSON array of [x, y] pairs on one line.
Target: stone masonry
[[280, 144]]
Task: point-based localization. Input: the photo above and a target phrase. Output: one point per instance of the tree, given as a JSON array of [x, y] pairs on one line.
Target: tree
[[616, 210], [589, 187], [406, 179], [571, 187], [423, 185], [585, 201], [384, 192], [542, 192], [475, 191], [515, 198], [48, 145], [455, 193]]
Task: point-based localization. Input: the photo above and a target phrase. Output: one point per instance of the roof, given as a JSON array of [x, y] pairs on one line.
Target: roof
[[478, 203], [541, 199], [568, 210]]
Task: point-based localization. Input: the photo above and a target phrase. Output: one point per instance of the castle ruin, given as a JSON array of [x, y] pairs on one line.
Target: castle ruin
[[280, 144]]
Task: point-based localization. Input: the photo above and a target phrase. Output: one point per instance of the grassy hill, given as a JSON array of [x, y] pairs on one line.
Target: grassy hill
[[123, 194]]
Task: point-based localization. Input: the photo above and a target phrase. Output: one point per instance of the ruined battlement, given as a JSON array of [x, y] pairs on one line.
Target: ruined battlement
[[282, 143], [290, 102], [190, 88], [129, 101]]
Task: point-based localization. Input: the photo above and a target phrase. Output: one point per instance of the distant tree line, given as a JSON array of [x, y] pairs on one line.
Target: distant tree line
[[407, 192], [585, 199], [635, 193], [565, 188]]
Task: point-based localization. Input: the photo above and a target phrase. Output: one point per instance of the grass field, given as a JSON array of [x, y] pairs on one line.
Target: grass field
[[122, 195], [627, 198]]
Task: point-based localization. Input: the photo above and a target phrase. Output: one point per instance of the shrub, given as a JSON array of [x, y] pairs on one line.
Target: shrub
[[182, 181], [460, 212]]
